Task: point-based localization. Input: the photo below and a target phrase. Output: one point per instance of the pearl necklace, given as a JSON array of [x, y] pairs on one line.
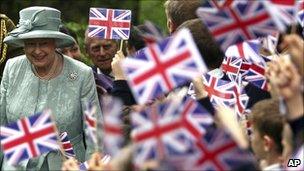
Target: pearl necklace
[[55, 69]]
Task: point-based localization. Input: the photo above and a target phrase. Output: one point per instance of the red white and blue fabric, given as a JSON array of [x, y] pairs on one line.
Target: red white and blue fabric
[[220, 92], [237, 22], [253, 66], [91, 122], [256, 75], [66, 145], [247, 50], [161, 67], [109, 23], [241, 101], [218, 151], [221, 4], [231, 66], [113, 125], [28, 137], [269, 43], [282, 12], [226, 93], [167, 130]]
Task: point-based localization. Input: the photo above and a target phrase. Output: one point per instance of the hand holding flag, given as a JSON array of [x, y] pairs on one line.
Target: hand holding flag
[[70, 164]]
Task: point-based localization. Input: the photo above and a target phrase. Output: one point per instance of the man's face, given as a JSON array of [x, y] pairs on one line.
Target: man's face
[[102, 52], [257, 143], [287, 142]]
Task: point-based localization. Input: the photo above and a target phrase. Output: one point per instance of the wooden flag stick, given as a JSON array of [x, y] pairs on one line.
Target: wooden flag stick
[[97, 148], [121, 45], [293, 29]]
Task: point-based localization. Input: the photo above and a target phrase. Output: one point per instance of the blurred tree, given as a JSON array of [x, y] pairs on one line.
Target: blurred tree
[[153, 10], [76, 11]]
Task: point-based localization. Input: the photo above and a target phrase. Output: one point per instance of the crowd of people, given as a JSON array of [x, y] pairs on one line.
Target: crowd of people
[[50, 74]]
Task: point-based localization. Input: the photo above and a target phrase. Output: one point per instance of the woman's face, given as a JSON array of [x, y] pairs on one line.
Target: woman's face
[[72, 51], [40, 52]]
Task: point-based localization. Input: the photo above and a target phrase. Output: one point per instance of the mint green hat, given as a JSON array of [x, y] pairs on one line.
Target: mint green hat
[[38, 22]]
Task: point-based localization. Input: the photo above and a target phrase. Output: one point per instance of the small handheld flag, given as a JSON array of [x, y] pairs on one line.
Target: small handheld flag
[[167, 64], [109, 23], [29, 137], [67, 146]]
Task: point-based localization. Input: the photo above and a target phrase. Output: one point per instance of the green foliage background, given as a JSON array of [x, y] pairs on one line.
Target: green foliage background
[[75, 12]]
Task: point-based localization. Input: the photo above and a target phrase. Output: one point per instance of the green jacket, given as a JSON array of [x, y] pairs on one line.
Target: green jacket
[[23, 94]]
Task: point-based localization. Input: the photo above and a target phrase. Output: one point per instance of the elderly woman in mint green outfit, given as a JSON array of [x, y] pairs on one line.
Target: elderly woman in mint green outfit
[[45, 79]]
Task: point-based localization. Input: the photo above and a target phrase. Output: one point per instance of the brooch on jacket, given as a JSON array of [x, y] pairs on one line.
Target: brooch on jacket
[[73, 75]]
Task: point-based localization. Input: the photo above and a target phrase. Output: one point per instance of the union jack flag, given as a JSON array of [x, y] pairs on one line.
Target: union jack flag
[[237, 22], [67, 146], [269, 43], [282, 12], [241, 100], [256, 75], [253, 66], [220, 4], [29, 137], [91, 122], [244, 68], [167, 130], [247, 50], [109, 23], [231, 66], [219, 91], [167, 64], [218, 151], [225, 93], [113, 125]]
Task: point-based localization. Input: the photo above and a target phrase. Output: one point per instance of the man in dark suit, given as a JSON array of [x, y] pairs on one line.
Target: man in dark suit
[[101, 52]]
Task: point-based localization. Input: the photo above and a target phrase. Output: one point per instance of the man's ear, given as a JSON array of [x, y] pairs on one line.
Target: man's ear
[[171, 26], [267, 142]]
